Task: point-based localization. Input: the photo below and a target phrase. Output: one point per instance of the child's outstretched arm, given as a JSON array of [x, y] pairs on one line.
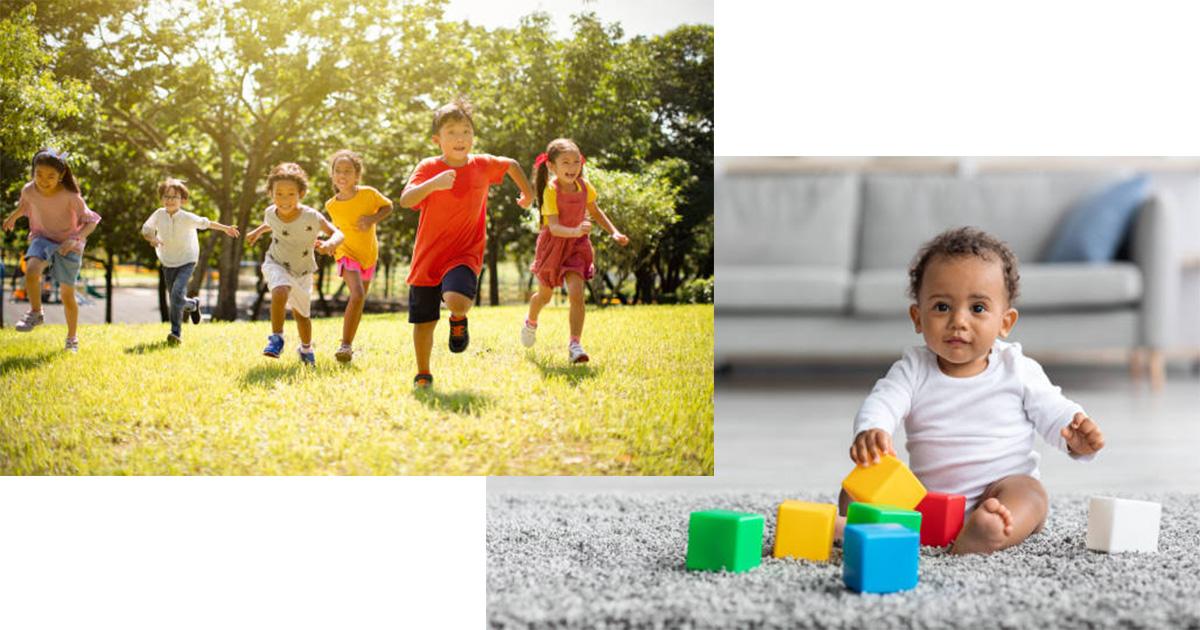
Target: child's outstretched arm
[[253, 235], [330, 245], [598, 215], [229, 230], [10, 221], [149, 233], [416, 193], [518, 176]]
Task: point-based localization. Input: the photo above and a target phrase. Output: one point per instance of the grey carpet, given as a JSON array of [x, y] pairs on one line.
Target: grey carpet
[[616, 560]]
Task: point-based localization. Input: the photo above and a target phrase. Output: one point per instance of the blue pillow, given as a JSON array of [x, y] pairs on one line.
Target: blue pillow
[[1093, 230]]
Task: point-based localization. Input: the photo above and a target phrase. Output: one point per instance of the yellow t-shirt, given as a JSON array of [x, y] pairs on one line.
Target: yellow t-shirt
[[361, 245], [550, 199]]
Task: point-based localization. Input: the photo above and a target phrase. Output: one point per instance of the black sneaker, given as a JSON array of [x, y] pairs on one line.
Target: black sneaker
[[423, 380], [459, 337], [195, 311]]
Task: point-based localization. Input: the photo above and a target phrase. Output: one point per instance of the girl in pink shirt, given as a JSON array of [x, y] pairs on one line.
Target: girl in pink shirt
[[59, 224]]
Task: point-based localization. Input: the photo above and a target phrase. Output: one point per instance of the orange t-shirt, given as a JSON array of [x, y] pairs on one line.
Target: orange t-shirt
[[452, 228]]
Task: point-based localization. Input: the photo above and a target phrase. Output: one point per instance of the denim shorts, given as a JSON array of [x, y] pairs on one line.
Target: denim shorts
[[425, 303], [64, 269]]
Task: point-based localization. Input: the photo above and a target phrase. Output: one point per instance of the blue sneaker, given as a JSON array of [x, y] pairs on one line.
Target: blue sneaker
[[274, 346], [307, 358]]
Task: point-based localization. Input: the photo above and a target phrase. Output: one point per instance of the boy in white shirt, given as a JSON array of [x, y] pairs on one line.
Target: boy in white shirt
[[971, 403], [172, 232]]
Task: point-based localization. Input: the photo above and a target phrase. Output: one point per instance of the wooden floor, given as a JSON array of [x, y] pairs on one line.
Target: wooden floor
[[791, 429]]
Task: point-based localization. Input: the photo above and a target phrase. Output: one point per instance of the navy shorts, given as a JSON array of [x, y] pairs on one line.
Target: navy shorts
[[425, 303]]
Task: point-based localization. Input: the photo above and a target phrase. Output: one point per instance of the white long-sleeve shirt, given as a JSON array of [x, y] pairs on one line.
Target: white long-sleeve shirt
[[966, 433], [177, 232]]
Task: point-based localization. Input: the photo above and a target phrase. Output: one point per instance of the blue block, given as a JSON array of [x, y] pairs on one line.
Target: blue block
[[880, 558]]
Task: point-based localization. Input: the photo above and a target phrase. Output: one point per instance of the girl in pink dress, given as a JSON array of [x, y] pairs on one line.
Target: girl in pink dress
[[567, 204]]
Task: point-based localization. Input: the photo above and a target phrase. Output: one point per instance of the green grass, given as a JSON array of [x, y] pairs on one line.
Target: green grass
[[129, 404]]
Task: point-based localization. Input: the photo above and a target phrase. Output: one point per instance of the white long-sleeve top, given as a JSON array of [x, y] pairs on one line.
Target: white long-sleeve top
[[966, 433], [177, 232]]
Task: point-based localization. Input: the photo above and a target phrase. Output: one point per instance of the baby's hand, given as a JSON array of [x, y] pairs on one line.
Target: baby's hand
[[870, 445], [444, 180], [1083, 436]]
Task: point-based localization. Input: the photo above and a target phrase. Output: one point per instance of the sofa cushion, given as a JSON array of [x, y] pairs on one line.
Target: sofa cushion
[[1093, 229], [764, 288], [1044, 287], [902, 212], [786, 219]]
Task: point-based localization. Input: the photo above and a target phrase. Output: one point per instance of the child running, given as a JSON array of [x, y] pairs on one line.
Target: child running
[[289, 264], [450, 191], [355, 210], [172, 233], [59, 224], [971, 403], [564, 251]]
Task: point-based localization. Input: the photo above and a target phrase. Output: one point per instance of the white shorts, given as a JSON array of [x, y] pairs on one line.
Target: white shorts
[[301, 287]]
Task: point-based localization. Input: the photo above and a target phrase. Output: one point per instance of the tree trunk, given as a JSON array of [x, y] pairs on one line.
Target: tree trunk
[[644, 293], [109, 263], [387, 281], [493, 247], [164, 310], [261, 287], [479, 288], [201, 266]]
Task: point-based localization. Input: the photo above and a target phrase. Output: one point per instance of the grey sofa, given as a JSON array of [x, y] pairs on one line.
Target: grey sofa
[[814, 266]]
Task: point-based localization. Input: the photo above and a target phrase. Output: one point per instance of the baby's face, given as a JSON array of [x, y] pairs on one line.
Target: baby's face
[[962, 308]]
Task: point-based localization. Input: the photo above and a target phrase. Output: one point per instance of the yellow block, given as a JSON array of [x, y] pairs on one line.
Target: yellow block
[[889, 482], [804, 530]]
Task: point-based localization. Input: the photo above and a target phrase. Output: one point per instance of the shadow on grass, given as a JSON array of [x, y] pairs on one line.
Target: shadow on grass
[[270, 374], [147, 347], [463, 401], [572, 373], [12, 364]]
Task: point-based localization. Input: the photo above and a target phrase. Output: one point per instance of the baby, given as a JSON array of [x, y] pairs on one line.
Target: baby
[[970, 402]]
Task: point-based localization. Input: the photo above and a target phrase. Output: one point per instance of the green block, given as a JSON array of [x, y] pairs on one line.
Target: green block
[[872, 513], [721, 539]]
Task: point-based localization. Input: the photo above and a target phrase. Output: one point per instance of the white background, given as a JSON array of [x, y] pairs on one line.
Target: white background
[[850, 77], [238, 552]]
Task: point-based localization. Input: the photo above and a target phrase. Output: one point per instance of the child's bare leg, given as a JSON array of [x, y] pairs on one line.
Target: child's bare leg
[[423, 344], [304, 327], [70, 308], [575, 295], [279, 298], [1011, 509], [33, 282], [458, 303], [539, 301], [354, 307]]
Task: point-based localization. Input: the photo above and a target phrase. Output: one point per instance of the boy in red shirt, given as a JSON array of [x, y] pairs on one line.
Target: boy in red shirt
[[450, 191]]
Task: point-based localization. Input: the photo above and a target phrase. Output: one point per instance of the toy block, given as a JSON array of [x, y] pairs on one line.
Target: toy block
[[721, 539], [880, 558], [889, 482], [867, 513], [941, 517], [805, 530], [1116, 525]]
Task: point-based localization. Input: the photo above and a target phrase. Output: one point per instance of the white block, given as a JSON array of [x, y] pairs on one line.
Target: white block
[[1116, 525]]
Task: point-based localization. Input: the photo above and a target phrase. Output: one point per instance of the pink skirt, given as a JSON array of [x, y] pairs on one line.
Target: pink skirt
[[556, 256], [346, 262]]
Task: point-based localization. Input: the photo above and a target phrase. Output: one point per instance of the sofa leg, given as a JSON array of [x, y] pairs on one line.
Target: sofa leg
[[1158, 370], [1137, 364]]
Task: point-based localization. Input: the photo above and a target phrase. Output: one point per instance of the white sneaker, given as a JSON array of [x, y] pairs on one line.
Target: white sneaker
[[30, 320], [72, 344], [528, 335], [577, 353], [344, 353]]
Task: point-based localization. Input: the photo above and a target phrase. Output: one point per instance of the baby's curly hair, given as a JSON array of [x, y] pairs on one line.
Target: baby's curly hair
[[291, 172], [965, 241]]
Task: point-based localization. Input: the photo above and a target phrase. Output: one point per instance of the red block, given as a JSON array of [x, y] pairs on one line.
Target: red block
[[941, 517]]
